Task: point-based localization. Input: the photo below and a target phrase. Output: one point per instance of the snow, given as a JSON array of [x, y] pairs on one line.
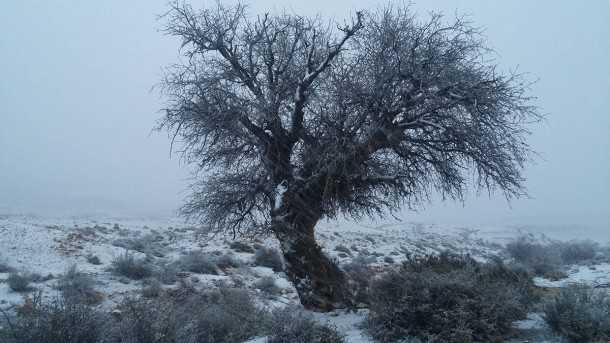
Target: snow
[[594, 276], [47, 245], [279, 193]]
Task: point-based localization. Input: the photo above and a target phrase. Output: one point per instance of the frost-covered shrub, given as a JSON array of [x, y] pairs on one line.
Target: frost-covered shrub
[[342, 248], [58, 321], [267, 285], [185, 290], [167, 273], [573, 252], [537, 258], [78, 287], [152, 288], [198, 262], [144, 321], [450, 298], [223, 316], [19, 282], [93, 259], [360, 276], [241, 247], [149, 244], [5, 268], [290, 325], [269, 257], [225, 261], [220, 316], [580, 314], [547, 259], [129, 266]]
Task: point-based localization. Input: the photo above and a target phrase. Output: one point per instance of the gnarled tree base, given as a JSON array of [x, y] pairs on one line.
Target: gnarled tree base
[[320, 283]]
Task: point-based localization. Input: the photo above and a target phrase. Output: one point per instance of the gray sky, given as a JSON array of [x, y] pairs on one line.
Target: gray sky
[[77, 109]]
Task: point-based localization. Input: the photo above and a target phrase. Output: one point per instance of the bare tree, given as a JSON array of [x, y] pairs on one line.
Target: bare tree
[[291, 119]]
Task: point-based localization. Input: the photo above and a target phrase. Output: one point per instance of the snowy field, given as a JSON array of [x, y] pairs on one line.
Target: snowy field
[[45, 245]]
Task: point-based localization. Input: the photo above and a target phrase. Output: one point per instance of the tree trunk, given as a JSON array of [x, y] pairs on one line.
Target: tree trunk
[[320, 283]]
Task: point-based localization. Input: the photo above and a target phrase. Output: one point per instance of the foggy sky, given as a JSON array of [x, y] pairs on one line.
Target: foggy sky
[[76, 107]]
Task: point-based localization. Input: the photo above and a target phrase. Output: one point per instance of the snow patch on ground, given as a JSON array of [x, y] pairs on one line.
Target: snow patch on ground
[[594, 275]]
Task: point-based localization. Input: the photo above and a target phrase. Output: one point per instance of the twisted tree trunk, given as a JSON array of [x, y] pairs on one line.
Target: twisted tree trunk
[[320, 283]]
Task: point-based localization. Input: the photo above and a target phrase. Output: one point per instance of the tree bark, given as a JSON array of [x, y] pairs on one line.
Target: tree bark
[[320, 283]]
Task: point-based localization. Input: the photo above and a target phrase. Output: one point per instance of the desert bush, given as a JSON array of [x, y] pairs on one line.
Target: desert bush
[[93, 259], [185, 290], [580, 314], [152, 288], [167, 273], [19, 282], [58, 321], [267, 285], [144, 321], [269, 257], [149, 244], [129, 266], [360, 276], [241, 247], [343, 249], [577, 251], [5, 268], [451, 298], [37, 278], [548, 259], [537, 258], [290, 325], [198, 262], [225, 261], [220, 316], [223, 316], [388, 259], [76, 286]]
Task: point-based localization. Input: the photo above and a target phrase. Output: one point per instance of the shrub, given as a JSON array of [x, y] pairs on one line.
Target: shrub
[[547, 259], [267, 285], [144, 321], [5, 268], [227, 261], [59, 321], [580, 314], [537, 258], [19, 282], [152, 288], [241, 247], [451, 298], [290, 325], [343, 249], [360, 276], [78, 287], [167, 273], [224, 316], [388, 259], [93, 259], [129, 266], [198, 262], [149, 244], [577, 251], [269, 257]]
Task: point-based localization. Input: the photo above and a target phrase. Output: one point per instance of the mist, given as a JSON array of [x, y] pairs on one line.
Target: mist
[[79, 108]]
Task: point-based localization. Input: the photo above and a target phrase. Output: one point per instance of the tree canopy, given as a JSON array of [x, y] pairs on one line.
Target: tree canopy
[[362, 117]]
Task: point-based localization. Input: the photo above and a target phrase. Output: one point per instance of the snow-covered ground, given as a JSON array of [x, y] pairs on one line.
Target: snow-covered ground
[[46, 245]]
